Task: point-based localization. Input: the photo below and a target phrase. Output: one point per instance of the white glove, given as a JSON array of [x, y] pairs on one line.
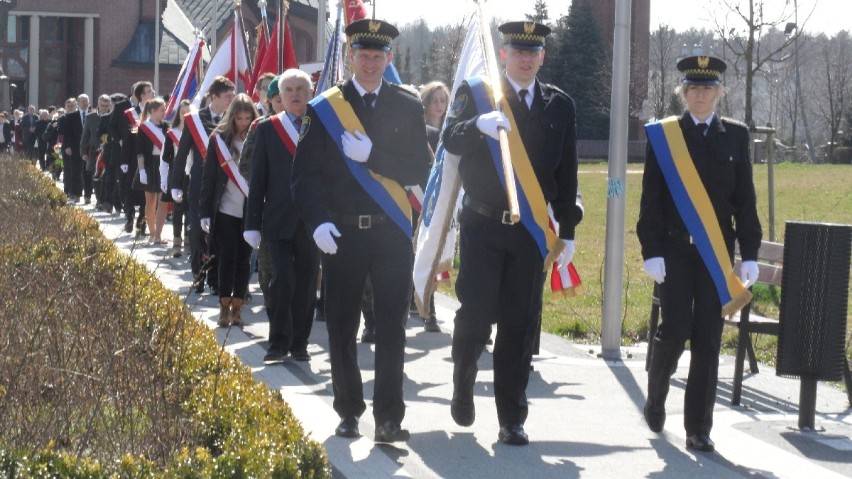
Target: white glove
[[324, 238], [177, 195], [567, 253], [124, 168], [656, 269], [252, 237], [205, 224], [143, 177], [356, 146], [164, 176], [749, 273], [490, 122]]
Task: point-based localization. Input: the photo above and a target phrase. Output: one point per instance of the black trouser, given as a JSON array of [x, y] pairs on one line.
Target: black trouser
[[131, 198], [72, 174], [690, 310], [88, 175], [178, 214], [500, 281], [292, 289], [234, 256], [384, 253], [203, 261]]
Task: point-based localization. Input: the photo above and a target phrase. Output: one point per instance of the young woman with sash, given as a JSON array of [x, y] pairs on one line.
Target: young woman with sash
[[150, 141], [172, 141], [222, 207], [697, 200]]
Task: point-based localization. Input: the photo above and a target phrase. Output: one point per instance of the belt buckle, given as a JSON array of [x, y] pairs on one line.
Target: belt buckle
[[507, 217], [364, 222]]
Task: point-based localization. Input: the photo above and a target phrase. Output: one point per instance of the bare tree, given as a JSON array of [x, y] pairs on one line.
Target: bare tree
[[836, 83], [663, 56]]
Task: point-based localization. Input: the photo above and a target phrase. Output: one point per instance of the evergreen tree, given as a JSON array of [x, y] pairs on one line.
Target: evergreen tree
[[540, 15], [577, 64]]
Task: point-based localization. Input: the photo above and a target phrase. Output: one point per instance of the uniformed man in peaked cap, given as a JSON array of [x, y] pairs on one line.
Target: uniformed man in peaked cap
[[690, 302], [360, 144], [501, 276]]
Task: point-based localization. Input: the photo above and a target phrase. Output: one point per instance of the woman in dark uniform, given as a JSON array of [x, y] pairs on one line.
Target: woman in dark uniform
[[690, 303], [148, 153]]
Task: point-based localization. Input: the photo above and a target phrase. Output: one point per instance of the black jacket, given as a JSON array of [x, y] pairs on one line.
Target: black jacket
[[145, 147], [121, 130], [177, 171], [321, 181], [213, 182], [71, 128], [722, 160], [550, 139], [270, 204]]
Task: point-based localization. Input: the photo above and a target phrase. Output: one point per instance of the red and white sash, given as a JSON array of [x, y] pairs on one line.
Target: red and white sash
[[154, 133], [175, 135], [286, 131], [132, 116], [226, 161], [196, 129]]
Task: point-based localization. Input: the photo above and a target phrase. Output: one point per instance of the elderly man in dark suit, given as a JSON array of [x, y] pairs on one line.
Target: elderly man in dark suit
[[70, 129], [360, 222], [90, 144], [188, 187], [272, 218]]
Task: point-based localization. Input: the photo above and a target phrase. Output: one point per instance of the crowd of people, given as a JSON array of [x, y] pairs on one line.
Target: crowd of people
[[314, 186]]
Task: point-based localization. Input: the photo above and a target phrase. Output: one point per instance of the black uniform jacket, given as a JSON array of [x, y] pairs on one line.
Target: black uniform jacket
[[270, 204], [550, 139], [321, 181], [177, 171], [121, 129], [213, 182], [71, 129], [145, 147], [722, 160]]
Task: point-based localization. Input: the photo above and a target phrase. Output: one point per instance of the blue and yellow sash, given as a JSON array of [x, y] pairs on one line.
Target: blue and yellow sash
[[337, 116], [696, 210], [531, 201]]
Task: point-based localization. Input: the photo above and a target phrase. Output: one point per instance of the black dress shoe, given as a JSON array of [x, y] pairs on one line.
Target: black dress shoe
[[655, 419], [369, 335], [199, 288], [700, 442], [300, 354], [390, 431], [462, 408], [276, 354], [128, 226], [430, 324], [513, 434], [348, 427]]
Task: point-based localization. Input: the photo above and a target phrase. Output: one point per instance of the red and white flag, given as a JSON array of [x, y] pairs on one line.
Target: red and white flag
[[154, 133], [286, 131], [563, 279], [196, 129], [230, 60], [226, 161], [415, 197]]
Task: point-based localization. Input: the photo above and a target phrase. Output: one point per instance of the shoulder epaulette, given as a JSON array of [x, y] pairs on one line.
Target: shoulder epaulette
[[733, 122]]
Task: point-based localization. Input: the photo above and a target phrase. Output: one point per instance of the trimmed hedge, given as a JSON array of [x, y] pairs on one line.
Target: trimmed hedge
[[105, 373]]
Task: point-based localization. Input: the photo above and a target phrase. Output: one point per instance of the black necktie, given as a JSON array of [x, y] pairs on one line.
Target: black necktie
[[702, 128], [369, 100], [216, 119], [523, 96]]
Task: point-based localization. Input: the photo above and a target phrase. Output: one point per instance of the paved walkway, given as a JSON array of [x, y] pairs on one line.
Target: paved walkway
[[585, 413]]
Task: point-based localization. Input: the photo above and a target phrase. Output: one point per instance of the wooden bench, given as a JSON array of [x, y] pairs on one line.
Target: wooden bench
[[770, 260]]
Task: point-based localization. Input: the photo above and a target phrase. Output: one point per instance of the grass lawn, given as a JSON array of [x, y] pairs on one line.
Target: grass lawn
[[819, 193]]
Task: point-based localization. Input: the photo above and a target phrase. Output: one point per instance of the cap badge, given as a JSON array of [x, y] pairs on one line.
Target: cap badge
[[703, 62], [374, 26], [529, 27]]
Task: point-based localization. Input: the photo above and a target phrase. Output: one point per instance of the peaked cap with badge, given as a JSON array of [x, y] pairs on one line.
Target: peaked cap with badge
[[702, 70], [371, 34], [524, 35]]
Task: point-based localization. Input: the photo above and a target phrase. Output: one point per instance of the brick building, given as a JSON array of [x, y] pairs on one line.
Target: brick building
[[52, 49]]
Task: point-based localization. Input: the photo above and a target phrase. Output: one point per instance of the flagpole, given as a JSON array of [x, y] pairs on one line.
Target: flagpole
[[214, 42], [261, 4], [157, 46], [497, 92], [282, 14]]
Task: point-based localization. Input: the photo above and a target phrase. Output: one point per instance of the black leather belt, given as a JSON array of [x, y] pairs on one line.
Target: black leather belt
[[681, 235], [503, 216], [363, 222]]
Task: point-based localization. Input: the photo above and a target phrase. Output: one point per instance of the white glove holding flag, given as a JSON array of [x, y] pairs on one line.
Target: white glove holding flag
[[656, 269], [749, 273], [124, 168], [252, 237], [164, 176], [566, 255], [357, 146], [143, 177], [324, 238], [177, 195], [489, 123], [205, 224]]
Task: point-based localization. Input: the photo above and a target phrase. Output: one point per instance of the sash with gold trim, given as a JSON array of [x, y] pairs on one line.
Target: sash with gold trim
[[286, 131], [533, 206], [337, 116], [696, 210], [226, 161]]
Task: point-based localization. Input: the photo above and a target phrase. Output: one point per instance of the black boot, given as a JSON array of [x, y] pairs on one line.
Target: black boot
[[663, 365], [465, 357]]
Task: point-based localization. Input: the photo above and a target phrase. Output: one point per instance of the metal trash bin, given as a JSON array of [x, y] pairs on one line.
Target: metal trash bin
[[814, 295]]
